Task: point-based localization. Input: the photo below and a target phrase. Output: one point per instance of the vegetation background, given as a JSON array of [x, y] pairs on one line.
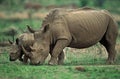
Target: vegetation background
[[86, 63]]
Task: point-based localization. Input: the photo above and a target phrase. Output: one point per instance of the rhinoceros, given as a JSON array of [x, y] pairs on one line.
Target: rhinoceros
[[79, 28], [26, 40]]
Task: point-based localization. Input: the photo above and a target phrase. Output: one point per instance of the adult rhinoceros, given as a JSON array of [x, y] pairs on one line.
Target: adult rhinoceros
[[77, 29]]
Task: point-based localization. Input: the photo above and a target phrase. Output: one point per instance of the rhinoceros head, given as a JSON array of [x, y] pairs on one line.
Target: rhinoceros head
[[40, 49], [15, 51]]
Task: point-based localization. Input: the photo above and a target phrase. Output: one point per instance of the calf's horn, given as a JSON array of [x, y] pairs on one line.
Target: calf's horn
[[10, 41], [24, 51]]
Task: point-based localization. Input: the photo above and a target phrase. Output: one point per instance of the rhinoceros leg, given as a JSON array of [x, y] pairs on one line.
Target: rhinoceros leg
[[109, 41], [25, 59], [20, 58], [61, 58], [111, 51], [111, 55], [60, 45]]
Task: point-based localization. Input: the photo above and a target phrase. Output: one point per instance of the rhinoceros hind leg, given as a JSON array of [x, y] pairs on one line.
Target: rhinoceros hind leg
[[109, 44], [109, 40], [111, 54]]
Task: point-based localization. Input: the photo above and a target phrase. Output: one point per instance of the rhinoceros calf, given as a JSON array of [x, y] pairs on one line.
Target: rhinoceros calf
[[25, 39], [80, 28]]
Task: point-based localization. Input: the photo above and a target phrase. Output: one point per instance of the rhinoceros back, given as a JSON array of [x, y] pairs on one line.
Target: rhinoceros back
[[82, 28], [86, 27], [26, 39]]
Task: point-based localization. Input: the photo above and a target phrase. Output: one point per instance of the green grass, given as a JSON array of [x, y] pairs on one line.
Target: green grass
[[19, 24], [58, 72], [94, 65]]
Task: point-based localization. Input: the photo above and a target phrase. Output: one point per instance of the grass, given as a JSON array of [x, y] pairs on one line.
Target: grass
[[59, 72], [94, 65], [19, 24]]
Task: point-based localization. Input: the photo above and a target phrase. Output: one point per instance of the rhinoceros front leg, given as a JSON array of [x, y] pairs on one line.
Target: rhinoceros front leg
[[60, 45], [20, 58], [61, 58], [25, 59]]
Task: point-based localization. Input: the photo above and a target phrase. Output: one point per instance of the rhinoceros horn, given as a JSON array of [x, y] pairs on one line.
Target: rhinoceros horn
[[33, 49], [10, 41], [30, 29], [25, 51]]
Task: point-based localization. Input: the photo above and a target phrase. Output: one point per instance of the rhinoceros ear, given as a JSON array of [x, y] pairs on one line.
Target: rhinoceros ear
[[17, 41], [30, 29], [46, 28]]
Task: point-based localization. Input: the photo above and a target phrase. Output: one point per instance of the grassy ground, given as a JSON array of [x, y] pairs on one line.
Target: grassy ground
[[91, 60], [13, 71]]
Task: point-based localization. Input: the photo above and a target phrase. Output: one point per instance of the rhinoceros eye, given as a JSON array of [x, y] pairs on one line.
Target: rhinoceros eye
[[41, 49]]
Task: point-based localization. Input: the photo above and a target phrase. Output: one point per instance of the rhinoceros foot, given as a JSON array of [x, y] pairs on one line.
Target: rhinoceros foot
[[53, 61], [110, 62], [60, 62]]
